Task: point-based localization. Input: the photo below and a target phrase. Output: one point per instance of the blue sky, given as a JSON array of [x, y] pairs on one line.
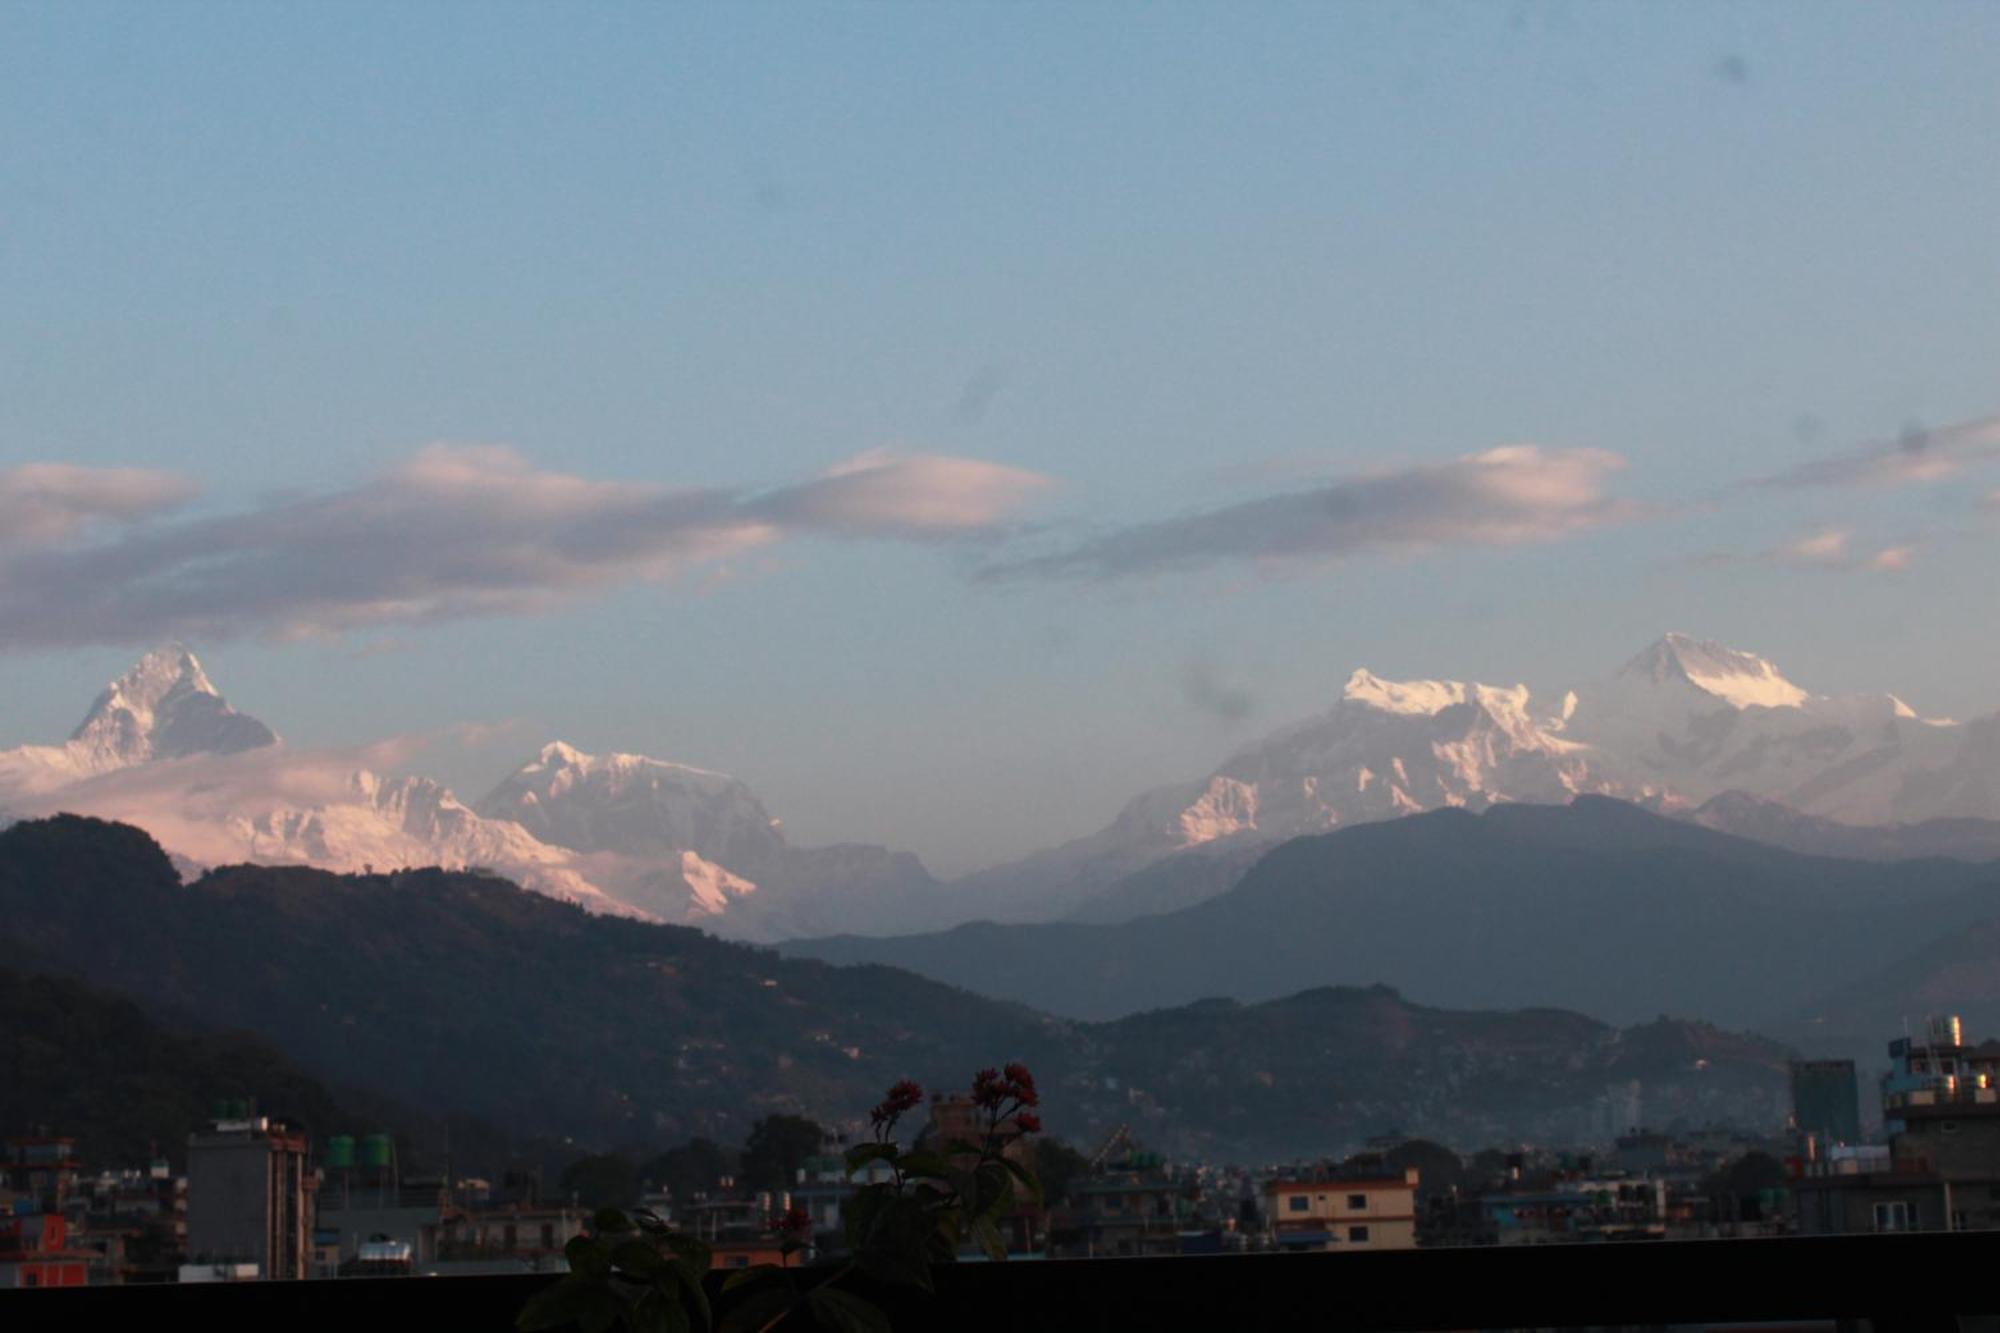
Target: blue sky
[[1164, 260]]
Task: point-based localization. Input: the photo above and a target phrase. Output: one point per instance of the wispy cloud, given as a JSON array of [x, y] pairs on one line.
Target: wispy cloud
[[44, 502], [912, 496], [456, 531], [1916, 455], [1505, 496], [1207, 692], [1828, 548]]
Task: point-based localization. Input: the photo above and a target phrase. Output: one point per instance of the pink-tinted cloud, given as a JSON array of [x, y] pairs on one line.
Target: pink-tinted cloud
[[456, 531], [1915, 456], [45, 502], [906, 495], [1502, 497], [1834, 548]]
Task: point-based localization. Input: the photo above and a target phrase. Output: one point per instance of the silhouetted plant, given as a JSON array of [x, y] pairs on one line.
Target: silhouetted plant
[[635, 1272]]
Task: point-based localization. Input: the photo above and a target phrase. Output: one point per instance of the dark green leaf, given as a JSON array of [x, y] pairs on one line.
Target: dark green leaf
[[924, 1163], [863, 1153], [1026, 1177], [760, 1275], [658, 1312], [639, 1259], [990, 1239], [610, 1222], [688, 1282], [862, 1211], [588, 1258], [694, 1253]]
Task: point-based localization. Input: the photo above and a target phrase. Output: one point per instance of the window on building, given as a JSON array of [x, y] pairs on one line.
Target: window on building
[[1894, 1216], [1298, 1203], [1357, 1201], [1358, 1234]]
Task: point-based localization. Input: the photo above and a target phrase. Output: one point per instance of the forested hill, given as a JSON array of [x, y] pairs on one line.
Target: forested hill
[[91, 1065], [1597, 906], [460, 992]]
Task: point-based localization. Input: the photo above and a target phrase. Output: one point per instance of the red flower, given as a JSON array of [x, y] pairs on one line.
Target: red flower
[[988, 1089], [794, 1222], [994, 1088], [1028, 1122], [905, 1095]]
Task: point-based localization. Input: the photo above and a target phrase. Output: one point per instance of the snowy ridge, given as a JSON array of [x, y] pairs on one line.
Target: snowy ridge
[[1741, 680], [1682, 723], [635, 806], [163, 708]]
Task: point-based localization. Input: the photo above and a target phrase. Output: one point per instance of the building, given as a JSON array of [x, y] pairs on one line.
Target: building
[[1331, 1209], [1940, 1170], [357, 1213], [250, 1196], [824, 1189], [1826, 1101], [37, 1248], [515, 1237], [1127, 1206], [1579, 1208], [959, 1119]]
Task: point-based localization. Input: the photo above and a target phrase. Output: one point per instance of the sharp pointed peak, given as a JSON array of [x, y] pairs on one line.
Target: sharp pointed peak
[[1738, 678], [165, 706]]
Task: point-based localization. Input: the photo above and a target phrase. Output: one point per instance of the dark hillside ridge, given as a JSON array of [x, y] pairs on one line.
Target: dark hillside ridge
[[1598, 906], [457, 992]]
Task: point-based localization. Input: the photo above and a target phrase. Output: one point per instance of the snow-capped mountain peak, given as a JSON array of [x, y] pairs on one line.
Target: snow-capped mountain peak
[[1739, 679], [165, 707], [1419, 697], [634, 805]]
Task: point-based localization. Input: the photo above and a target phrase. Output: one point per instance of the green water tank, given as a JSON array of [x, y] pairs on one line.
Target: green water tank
[[377, 1150], [340, 1150]]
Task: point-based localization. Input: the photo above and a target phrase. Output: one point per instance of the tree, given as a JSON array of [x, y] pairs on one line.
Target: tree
[[1056, 1165], [606, 1180], [1439, 1169], [777, 1148], [695, 1167], [1734, 1191]]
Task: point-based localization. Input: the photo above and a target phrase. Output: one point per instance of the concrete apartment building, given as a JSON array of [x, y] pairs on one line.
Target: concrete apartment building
[[1940, 1170], [250, 1198], [1330, 1211]]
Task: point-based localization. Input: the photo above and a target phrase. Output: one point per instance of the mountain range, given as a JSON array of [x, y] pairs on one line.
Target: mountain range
[[1599, 906], [459, 992], [1688, 728]]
